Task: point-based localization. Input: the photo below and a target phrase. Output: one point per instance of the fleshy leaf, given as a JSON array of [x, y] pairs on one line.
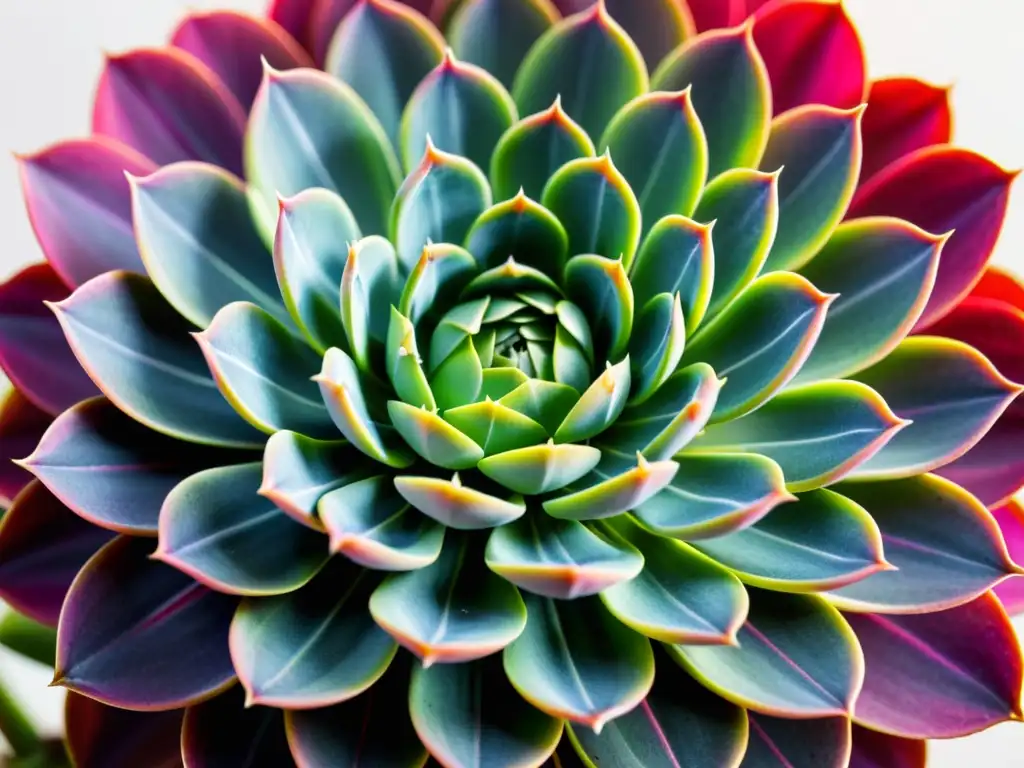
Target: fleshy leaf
[[458, 379], [404, 364], [656, 344], [1010, 518], [599, 407], [873, 749], [656, 28], [293, 16], [495, 427], [453, 611], [546, 402], [816, 743], [540, 469], [22, 426], [435, 283], [370, 283], [613, 487], [433, 438], [223, 731], [135, 633], [522, 229], [215, 528], [498, 382], [456, 506], [97, 734]]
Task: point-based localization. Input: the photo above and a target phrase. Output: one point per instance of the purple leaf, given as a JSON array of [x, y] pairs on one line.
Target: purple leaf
[[293, 16], [872, 749], [21, 426], [223, 732], [99, 736]]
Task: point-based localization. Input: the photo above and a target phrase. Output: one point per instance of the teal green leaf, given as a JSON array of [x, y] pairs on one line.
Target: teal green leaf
[[498, 382], [456, 506], [404, 364], [612, 487], [776, 741], [656, 344], [821, 541], [315, 647], [29, 638], [433, 438], [546, 402], [744, 205], [657, 28], [759, 342], [597, 207], [681, 596], [883, 271], [308, 129], [663, 425], [362, 421], [470, 716], [561, 559], [383, 50], [600, 288], [945, 546], [575, 322], [577, 662], [458, 379], [311, 253], [730, 91], [599, 406], [462, 108], [496, 34], [540, 468], [820, 150], [456, 326], [370, 284], [797, 657], [659, 147], [438, 202], [676, 256], [950, 393], [590, 61], [371, 524], [453, 611], [265, 372], [439, 276], [198, 243], [496, 427], [298, 471], [530, 152], [571, 361], [818, 433], [510, 278], [714, 494], [522, 229]]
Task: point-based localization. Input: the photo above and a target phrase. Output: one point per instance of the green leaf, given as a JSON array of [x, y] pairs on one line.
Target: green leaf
[[438, 202], [562, 559], [950, 392], [441, 273], [590, 61], [883, 270], [371, 524], [307, 129], [819, 149], [456, 506], [714, 494], [264, 371], [656, 344], [657, 28], [796, 658], [29, 638], [822, 541], [576, 661], [611, 488], [818, 433], [315, 647], [659, 147], [522, 229], [800, 743], [462, 108], [744, 205], [457, 325], [945, 546], [433, 438], [759, 342], [546, 402], [600, 288], [532, 150], [311, 255], [510, 279], [470, 716], [571, 361], [730, 90], [404, 364], [457, 380], [599, 406], [383, 50], [540, 468], [452, 611], [676, 257], [498, 382], [495, 427], [369, 286], [597, 207], [680, 596]]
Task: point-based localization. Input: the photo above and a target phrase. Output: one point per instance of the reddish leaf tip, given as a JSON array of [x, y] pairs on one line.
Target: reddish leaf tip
[[59, 681]]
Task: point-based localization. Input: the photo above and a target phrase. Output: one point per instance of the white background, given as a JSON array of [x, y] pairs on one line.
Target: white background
[[51, 53]]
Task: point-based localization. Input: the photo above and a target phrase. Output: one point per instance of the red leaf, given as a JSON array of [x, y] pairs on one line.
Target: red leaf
[[99, 736], [21, 427], [714, 14], [1001, 285], [293, 16], [1010, 517], [872, 749]]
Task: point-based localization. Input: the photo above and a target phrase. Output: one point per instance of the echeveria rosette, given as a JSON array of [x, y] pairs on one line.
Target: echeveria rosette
[[490, 405]]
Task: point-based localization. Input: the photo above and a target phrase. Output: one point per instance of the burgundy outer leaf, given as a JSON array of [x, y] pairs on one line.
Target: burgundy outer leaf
[[293, 17], [714, 14], [1010, 517], [33, 352], [939, 675], [137, 634], [872, 749], [232, 44], [21, 427], [813, 54], [99, 736], [224, 733], [904, 115], [79, 204], [169, 106], [43, 544], [940, 189], [1000, 284]]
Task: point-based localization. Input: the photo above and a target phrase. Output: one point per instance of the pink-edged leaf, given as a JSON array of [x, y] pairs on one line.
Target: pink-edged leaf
[[33, 352], [939, 675], [873, 749], [813, 54], [42, 546], [1010, 517], [223, 732], [137, 634], [782, 743], [232, 44], [79, 204], [940, 189], [169, 106], [21, 426], [293, 16], [715, 14], [904, 115], [99, 736]]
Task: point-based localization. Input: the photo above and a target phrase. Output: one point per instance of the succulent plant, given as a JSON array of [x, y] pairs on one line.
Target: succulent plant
[[552, 390]]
